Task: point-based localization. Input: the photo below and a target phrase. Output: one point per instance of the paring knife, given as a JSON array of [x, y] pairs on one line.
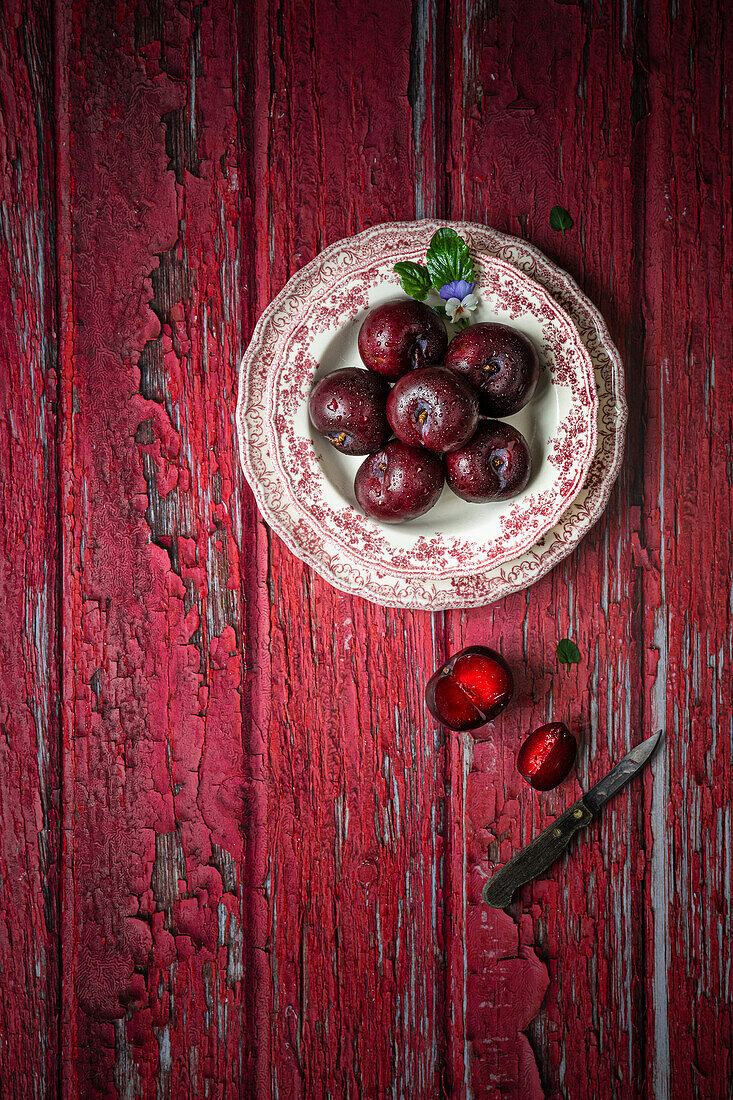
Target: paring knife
[[541, 852]]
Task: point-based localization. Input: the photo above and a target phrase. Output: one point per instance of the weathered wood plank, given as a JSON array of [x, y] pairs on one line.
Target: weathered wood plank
[[29, 757], [532, 125], [536, 121], [159, 750], [686, 521], [356, 770]]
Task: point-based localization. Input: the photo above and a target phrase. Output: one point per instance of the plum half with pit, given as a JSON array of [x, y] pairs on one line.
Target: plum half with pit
[[433, 408], [401, 335], [398, 483], [470, 689], [500, 362], [494, 465], [349, 408]]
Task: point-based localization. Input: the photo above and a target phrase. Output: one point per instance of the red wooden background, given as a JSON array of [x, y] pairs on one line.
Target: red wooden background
[[237, 857]]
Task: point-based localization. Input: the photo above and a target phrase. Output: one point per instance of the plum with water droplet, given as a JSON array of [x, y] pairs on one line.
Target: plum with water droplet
[[470, 689], [494, 465], [349, 408], [398, 483], [500, 362], [402, 335], [433, 408]]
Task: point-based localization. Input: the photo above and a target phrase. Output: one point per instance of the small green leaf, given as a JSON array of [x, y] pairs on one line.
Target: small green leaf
[[560, 219], [567, 652], [443, 234], [448, 258], [414, 279]]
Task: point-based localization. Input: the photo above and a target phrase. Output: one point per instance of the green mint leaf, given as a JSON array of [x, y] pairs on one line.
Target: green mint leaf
[[414, 279], [560, 219], [448, 258], [567, 652]]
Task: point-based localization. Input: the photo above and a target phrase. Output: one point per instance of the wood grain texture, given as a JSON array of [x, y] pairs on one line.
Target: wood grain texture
[[533, 126], [535, 122], [271, 859], [29, 757], [157, 893], [687, 518], [356, 774]]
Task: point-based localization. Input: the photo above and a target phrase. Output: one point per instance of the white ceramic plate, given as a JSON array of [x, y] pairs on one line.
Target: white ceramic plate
[[458, 554]]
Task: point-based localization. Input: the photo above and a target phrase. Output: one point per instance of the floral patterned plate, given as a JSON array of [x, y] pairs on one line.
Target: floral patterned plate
[[458, 554]]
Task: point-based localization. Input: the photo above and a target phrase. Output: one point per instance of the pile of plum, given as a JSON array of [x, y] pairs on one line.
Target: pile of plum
[[443, 409]]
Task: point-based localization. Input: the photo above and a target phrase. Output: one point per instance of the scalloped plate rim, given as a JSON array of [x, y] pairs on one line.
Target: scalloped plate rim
[[539, 562]]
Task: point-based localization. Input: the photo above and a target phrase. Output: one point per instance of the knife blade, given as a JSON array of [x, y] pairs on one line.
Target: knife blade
[[549, 845]]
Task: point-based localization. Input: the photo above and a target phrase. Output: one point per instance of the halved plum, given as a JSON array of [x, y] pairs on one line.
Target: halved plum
[[470, 689]]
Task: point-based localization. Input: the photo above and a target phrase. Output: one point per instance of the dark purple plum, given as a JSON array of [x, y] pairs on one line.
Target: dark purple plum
[[398, 483], [433, 408], [494, 465], [500, 362], [348, 407], [401, 335]]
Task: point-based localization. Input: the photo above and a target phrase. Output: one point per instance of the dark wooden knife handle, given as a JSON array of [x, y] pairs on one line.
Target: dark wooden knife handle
[[537, 856]]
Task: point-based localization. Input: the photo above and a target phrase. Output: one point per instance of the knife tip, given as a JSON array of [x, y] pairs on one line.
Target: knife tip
[[651, 744]]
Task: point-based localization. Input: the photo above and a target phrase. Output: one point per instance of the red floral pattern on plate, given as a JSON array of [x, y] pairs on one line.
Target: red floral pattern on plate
[[432, 572]]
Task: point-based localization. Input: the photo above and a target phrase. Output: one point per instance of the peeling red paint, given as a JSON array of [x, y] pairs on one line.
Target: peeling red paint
[[29, 719], [156, 871], [271, 860]]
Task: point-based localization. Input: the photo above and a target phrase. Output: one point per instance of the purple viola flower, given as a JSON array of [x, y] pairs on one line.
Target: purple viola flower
[[459, 299], [458, 289]]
